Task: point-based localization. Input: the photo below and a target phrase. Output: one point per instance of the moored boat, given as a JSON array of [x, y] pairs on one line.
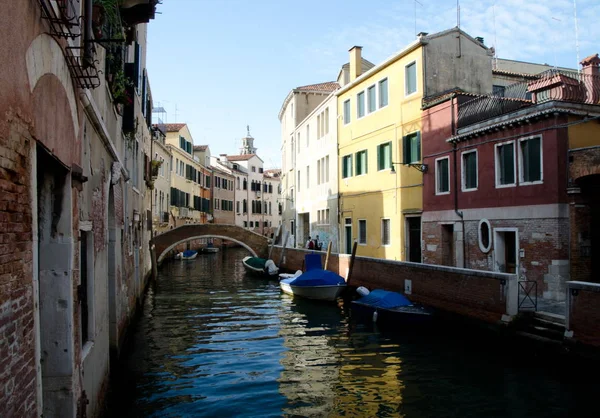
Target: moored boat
[[260, 266], [187, 255], [385, 306], [314, 284]]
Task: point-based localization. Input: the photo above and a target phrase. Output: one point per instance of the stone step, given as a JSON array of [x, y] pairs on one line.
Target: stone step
[[541, 331], [550, 317], [540, 322], [540, 338]]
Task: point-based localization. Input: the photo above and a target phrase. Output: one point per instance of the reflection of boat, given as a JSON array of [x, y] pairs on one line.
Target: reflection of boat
[[384, 305], [187, 255], [260, 266], [314, 284], [210, 249]]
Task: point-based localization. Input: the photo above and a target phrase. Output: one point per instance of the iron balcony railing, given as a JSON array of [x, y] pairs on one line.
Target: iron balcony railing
[[551, 85]]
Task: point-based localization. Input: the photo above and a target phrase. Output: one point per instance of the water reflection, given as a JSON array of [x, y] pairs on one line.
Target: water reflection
[[215, 343]]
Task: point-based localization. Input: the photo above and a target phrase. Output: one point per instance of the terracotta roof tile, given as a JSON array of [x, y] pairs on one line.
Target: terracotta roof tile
[[327, 87], [592, 59], [200, 147], [174, 127]]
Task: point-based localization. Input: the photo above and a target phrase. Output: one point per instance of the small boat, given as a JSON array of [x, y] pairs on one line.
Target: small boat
[[187, 255], [260, 266], [210, 249], [383, 305], [314, 284]]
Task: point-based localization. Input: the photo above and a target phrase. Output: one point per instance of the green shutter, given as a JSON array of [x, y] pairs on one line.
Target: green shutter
[[418, 134], [406, 149]]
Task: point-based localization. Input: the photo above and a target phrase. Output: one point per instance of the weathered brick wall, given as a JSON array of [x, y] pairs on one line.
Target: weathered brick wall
[[543, 241], [584, 312], [17, 348], [477, 294]]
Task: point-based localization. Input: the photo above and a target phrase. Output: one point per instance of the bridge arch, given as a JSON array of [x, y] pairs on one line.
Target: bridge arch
[[255, 243]]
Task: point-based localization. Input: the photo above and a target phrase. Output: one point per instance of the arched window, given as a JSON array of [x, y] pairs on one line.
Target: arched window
[[245, 184]]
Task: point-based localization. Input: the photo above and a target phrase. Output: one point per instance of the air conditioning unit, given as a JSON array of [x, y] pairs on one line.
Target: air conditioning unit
[[257, 193], [184, 212]]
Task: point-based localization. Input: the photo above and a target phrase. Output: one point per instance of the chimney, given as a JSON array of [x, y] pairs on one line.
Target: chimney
[[479, 39], [355, 62], [223, 157], [590, 67]]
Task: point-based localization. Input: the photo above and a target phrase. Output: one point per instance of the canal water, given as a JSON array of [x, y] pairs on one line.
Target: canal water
[[212, 342]]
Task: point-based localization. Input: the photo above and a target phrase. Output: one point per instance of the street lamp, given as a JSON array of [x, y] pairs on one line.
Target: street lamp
[[419, 166]]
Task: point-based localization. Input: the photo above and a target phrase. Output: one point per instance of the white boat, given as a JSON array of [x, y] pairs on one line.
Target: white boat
[[187, 255], [314, 284], [260, 266]]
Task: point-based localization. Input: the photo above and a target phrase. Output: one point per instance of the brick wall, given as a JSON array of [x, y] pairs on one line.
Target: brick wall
[[476, 294], [583, 312], [17, 349]]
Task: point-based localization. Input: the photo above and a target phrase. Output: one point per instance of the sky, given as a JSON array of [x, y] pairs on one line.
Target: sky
[[220, 65]]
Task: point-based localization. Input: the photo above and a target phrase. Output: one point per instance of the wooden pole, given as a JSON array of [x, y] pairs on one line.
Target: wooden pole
[[273, 241], [285, 238], [327, 256], [351, 261]]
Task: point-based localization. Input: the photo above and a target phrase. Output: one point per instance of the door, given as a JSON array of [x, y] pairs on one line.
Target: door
[[448, 245], [348, 235], [506, 246], [413, 224]]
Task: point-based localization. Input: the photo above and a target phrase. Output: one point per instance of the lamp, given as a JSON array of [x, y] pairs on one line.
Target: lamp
[[419, 166]]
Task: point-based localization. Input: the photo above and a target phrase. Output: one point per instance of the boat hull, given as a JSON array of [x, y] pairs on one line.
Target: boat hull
[[258, 272], [414, 314], [329, 293]]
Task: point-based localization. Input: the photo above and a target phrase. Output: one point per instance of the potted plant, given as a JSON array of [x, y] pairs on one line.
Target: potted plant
[[155, 165], [119, 88], [106, 11]]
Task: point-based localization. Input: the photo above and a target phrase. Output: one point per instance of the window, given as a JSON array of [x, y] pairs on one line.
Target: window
[[361, 162], [347, 112], [469, 170], [442, 176], [383, 92], [298, 185], [384, 156], [298, 143], [245, 224], [216, 204], [251, 224], [347, 166], [307, 176], [505, 164], [371, 99], [237, 206], [530, 160], [323, 217], [412, 148], [319, 171], [326, 120], [410, 74], [498, 90], [307, 135], [385, 232], [362, 231], [260, 170], [254, 169], [360, 104], [86, 295], [319, 133], [485, 241]]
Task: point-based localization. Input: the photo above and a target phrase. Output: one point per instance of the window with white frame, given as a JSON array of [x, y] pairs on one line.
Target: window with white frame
[[361, 162], [505, 164], [410, 77], [326, 174], [442, 175], [530, 160], [371, 99], [360, 104], [346, 166], [323, 216], [307, 135], [362, 232], [385, 232], [383, 93], [319, 171], [469, 170], [326, 120], [347, 112], [298, 143], [319, 134]]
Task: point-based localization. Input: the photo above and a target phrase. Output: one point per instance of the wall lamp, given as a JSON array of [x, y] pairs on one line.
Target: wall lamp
[[421, 167]]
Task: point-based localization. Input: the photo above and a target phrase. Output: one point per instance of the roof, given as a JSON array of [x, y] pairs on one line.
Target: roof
[[326, 87], [591, 60], [174, 127], [511, 73], [273, 172], [200, 147], [243, 157]]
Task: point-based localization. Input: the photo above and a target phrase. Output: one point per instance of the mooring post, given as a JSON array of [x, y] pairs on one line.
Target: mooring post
[[351, 261], [327, 256], [285, 238], [273, 241]]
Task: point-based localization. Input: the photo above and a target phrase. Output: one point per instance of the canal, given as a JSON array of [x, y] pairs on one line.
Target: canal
[[212, 342]]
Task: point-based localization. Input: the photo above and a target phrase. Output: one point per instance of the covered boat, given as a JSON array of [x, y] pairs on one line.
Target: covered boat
[[187, 255], [260, 266], [314, 284], [383, 305]]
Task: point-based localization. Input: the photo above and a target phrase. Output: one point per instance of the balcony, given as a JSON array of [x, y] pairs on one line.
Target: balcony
[[551, 85], [134, 12]]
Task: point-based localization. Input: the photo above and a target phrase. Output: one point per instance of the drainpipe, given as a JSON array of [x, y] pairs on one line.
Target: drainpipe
[[88, 52], [458, 213]]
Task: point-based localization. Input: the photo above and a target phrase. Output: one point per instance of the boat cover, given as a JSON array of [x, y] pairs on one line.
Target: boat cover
[[189, 253], [318, 278], [379, 298], [256, 262], [313, 262]]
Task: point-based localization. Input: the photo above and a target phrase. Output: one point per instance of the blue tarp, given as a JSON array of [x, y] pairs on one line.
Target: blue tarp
[[313, 262], [189, 253], [379, 298], [318, 278]]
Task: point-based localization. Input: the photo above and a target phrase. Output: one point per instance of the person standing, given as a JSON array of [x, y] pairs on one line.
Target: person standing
[[310, 243], [318, 244]]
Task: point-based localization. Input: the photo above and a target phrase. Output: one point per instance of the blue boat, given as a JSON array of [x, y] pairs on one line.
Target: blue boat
[[187, 255], [386, 306], [315, 283]]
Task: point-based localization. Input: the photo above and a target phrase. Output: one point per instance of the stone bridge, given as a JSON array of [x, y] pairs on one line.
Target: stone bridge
[[161, 244]]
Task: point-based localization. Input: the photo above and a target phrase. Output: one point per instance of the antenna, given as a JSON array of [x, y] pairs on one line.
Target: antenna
[[495, 59], [458, 14], [416, 1], [576, 33]]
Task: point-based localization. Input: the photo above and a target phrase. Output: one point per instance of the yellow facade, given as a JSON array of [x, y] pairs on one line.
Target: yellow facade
[[584, 134], [379, 193]]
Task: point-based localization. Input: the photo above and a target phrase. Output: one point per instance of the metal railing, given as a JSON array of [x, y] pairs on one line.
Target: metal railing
[[550, 85], [527, 295]]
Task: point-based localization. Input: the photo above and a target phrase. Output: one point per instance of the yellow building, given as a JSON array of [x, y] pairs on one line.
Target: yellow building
[[190, 180], [379, 138]]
